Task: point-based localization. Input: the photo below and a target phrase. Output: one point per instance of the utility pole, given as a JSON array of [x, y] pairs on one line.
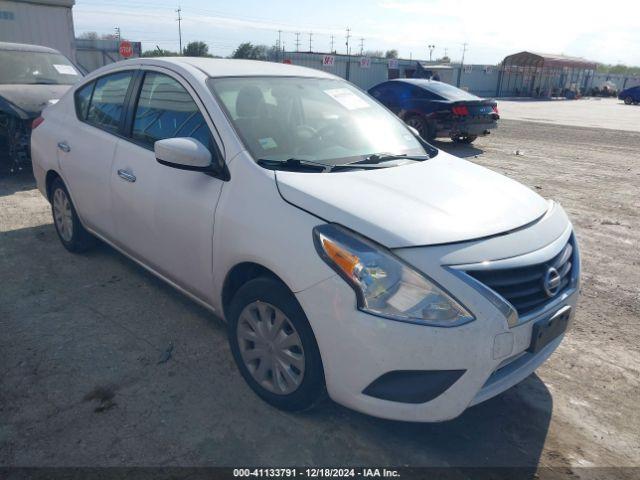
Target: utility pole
[[361, 46], [117, 29], [464, 50], [431, 49], [332, 51], [348, 53], [179, 11], [280, 48], [297, 41], [445, 52], [310, 37]]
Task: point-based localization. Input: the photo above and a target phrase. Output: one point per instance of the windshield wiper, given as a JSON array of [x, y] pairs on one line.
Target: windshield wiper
[[294, 163], [300, 164], [376, 158], [45, 81]]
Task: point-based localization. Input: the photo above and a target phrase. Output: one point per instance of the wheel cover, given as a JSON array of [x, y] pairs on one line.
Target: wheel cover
[[271, 348], [62, 214], [415, 122]]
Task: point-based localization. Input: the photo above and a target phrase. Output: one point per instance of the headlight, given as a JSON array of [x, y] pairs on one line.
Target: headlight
[[384, 284]]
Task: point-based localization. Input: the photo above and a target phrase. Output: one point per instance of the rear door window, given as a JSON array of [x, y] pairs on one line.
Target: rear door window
[[166, 110], [107, 103]]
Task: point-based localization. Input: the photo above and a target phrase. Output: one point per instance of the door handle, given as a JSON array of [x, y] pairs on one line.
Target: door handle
[[128, 176], [64, 146]]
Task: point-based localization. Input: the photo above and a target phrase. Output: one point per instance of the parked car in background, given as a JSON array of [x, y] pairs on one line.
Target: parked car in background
[[630, 95], [31, 77], [347, 254], [437, 109]]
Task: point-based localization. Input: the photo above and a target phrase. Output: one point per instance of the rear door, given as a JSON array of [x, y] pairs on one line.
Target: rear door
[[86, 143], [164, 216]]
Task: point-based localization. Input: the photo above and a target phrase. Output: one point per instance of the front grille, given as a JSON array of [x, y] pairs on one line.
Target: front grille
[[523, 287]]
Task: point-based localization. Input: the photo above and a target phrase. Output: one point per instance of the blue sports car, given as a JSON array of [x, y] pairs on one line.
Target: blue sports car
[[437, 109], [630, 95]]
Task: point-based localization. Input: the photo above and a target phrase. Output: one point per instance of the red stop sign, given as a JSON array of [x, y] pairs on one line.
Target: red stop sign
[[126, 49]]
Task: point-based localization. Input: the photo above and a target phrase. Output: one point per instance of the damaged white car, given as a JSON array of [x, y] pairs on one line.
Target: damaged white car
[[31, 77]]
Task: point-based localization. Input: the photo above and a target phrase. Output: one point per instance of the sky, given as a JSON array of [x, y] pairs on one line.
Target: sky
[[491, 29]]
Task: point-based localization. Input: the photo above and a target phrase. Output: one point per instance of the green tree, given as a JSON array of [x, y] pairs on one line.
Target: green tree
[[373, 53], [159, 52], [391, 53], [619, 68], [250, 51], [196, 49]]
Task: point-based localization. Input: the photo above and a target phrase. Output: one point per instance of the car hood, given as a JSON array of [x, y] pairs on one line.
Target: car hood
[[27, 101], [442, 200]]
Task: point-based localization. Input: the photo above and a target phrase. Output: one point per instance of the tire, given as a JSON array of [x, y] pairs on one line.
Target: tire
[[464, 139], [70, 231], [628, 101], [423, 128], [257, 307]]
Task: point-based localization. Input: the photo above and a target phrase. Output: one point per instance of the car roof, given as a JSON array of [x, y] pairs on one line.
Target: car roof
[[418, 82], [223, 67], [23, 47]]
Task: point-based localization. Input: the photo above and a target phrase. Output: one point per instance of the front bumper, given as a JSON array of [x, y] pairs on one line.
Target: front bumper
[[357, 348]]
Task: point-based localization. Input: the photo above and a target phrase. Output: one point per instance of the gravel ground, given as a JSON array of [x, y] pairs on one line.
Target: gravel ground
[[102, 364]]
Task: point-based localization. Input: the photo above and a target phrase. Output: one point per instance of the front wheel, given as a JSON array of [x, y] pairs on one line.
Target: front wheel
[[464, 138], [274, 346], [70, 231], [628, 101]]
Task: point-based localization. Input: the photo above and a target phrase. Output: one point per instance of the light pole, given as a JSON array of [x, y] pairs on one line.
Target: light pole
[[431, 49]]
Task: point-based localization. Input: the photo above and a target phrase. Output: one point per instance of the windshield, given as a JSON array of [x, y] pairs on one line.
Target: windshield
[[31, 68], [449, 92], [319, 120]]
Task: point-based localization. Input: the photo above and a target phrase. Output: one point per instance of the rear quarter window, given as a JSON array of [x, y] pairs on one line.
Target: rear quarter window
[[82, 100]]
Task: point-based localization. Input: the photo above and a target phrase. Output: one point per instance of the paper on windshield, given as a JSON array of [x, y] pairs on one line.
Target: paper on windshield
[[65, 69], [346, 98]]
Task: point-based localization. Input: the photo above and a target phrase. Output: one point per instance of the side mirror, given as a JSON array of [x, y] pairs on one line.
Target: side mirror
[[184, 153]]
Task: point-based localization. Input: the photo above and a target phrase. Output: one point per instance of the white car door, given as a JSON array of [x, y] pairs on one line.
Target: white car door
[[164, 216], [86, 145]]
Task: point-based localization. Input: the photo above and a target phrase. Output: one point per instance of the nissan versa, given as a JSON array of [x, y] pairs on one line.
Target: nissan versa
[[347, 255]]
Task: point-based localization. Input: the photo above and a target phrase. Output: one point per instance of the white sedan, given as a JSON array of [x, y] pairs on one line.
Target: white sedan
[[347, 255]]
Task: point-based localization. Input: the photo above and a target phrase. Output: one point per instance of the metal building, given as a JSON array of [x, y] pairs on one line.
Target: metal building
[[529, 74], [365, 72], [39, 22], [95, 53]]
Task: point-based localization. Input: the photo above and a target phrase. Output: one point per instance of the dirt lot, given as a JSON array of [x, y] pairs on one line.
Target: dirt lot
[[85, 378], [609, 113]]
